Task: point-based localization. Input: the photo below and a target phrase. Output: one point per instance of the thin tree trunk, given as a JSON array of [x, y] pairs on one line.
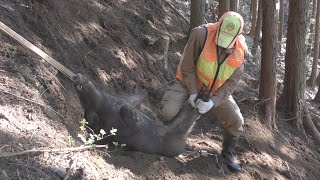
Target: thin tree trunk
[[317, 97], [309, 125], [258, 29], [281, 16], [312, 80], [295, 64], [197, 13], [224, 6], [269, 55], [313, 16], [234, 5], [254, 4]]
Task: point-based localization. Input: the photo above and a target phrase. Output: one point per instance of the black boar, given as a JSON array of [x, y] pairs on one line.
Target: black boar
[[104, 110]]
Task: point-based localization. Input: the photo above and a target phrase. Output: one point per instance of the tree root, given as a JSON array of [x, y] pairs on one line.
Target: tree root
[[309, 125]]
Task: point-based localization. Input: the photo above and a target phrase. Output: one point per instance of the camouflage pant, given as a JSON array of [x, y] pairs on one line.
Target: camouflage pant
[[227, 112]]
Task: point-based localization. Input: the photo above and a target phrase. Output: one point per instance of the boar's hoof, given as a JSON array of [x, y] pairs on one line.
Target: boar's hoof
[[128, 112]]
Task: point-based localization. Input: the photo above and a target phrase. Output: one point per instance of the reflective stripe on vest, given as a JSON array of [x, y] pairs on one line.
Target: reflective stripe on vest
[[207, 63]]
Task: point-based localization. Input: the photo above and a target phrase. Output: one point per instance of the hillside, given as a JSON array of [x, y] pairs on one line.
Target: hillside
[[117, 44]]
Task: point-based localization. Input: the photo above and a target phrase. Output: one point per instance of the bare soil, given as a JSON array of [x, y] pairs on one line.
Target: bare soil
[[115, 43]]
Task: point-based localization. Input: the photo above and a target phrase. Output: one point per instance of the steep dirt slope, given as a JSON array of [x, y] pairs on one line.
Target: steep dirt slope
[[115, 44]]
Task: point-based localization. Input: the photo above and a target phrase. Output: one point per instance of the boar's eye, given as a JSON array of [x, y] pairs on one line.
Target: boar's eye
[[79, 87]]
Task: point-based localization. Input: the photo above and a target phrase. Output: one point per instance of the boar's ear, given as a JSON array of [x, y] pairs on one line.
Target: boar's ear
[[76, 78]]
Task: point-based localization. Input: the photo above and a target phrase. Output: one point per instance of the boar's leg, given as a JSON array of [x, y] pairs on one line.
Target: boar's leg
[[93, 120], [130, 119]]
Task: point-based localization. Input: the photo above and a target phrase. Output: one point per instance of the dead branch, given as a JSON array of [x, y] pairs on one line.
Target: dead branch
[[221, 171], [164, 42], [309, 125], [55, 150], [29, 166], [89, 168], [176, 11], [4, 146], [73, 165], [246, 138], [32, 102], [289, 119], [287, 140], [254, 107], [18, 174], [288, 168], [10, 121], [7, 7]]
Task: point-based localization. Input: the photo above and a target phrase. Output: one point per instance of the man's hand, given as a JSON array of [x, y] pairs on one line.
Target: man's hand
[[204, 106], [192, 100]]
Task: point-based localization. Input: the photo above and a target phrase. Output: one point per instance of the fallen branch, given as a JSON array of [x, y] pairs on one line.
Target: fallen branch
[[221, 171], [55, 150], [254, 107], [289, 119], [7, 7], [89, 169], [288, 168], [246, 138], [3, 146], [28, 166], [164, 42], [73, 165], [176, 11], [31, 102]]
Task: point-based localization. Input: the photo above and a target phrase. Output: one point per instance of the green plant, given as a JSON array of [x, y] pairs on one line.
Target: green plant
[[95, 137], [14, 51], [70, 141], [92, 136], [116, 144]]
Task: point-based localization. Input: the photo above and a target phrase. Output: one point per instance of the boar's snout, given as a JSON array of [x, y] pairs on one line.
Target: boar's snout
[[79, 80]]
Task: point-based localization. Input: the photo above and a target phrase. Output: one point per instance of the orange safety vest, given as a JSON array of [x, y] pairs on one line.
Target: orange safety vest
[[207, 66]]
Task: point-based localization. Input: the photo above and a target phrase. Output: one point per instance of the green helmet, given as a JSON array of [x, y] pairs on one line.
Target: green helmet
[[231, 25]]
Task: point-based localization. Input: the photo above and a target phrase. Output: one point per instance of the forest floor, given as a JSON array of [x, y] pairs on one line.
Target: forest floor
[[115, 43]]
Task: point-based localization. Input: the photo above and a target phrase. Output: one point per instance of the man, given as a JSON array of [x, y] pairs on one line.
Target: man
[[209, 72]]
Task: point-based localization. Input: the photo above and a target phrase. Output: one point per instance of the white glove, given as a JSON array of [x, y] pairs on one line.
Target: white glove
[[204, 106], [192, 100]]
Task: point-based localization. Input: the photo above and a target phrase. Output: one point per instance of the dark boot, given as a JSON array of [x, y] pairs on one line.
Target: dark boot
[[228, 145]]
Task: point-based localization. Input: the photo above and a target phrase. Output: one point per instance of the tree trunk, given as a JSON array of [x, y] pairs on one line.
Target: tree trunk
[[312, 24], [317, 97], [313, 14], [269, 56], [197, 13], [312, 80], [254, 5], [258, 29], [224, 6], [234, 5], [281, 16], [295, 64]]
